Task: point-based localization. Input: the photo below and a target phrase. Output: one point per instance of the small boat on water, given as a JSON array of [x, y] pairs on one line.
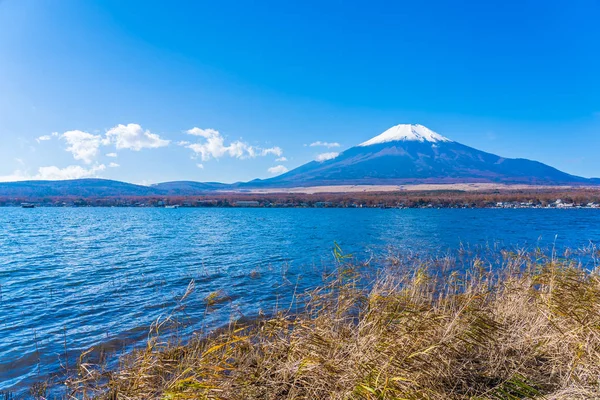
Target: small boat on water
[[27, 205], [174, 206]]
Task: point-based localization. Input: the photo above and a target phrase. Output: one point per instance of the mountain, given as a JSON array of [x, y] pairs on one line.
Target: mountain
[[189, 188], [411, 154], [102, 188], [74, 188], [403, 154]]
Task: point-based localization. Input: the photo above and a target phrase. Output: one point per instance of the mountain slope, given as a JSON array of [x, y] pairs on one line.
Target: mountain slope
[[404, 154], [103, 188], [189, 188], [75, 188], [407, 154]]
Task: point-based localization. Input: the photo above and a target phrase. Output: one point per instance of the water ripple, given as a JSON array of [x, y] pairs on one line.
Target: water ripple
[[101, 277]]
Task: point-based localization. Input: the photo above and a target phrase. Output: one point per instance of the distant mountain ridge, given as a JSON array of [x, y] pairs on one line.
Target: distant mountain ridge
[[413, 154], [189, 188], [75, 187], [404, 154]]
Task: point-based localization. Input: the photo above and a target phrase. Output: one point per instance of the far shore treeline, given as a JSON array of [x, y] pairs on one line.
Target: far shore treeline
[[531, 198]]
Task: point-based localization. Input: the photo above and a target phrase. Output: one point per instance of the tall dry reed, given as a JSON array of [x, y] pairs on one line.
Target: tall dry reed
[[528, 328]]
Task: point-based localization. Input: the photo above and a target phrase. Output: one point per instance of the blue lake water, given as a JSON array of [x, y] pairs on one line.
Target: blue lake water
[[71, 278]]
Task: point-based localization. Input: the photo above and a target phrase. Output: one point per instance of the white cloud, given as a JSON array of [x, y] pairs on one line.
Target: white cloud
[[15, 176], [43, 138], [281, 159], [201, 166], [214, 146], [205, 133], [71, 172], [53, 173], [84, 146], [20, 161], [325, 144], [273, 150], [133, 137], [183, 143], [326, 156], [280, 169]]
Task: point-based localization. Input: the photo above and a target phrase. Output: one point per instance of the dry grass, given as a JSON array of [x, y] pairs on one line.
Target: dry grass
[[527, 330]]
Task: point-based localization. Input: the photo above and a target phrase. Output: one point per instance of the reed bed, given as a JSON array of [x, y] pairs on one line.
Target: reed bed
[[526, 328]]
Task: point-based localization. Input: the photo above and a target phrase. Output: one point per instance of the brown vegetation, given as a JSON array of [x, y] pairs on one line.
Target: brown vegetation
[[527, 329], [456, 198]]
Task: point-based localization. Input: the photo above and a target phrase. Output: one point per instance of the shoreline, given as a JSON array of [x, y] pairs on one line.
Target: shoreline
[[514, 198]]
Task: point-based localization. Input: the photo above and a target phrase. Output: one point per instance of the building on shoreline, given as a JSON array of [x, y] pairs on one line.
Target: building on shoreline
[[247, 203]]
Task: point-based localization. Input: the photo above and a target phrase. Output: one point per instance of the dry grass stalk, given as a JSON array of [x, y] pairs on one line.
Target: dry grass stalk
[[527, 330]]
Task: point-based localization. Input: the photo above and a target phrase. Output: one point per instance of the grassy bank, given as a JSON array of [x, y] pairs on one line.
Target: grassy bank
[[529, 329]]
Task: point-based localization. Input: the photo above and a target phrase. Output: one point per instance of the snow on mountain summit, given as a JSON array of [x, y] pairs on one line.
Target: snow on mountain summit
[[407, 132]]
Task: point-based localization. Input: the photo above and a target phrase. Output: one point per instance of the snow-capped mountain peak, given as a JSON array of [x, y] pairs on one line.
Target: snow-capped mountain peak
[[412, 154], [407, 132]]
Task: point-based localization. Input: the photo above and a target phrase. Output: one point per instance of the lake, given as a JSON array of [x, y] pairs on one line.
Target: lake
[[71, 278]]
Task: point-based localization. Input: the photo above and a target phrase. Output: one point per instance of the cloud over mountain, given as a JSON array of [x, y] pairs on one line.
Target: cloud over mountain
[[324, 144], [53, 173], [326, 156], [213, 146], [83, 145], [133, 137], [279, 169]]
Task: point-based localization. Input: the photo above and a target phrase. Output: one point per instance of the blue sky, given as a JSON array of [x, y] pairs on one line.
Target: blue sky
[[150, 91]]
